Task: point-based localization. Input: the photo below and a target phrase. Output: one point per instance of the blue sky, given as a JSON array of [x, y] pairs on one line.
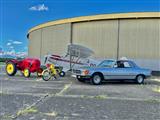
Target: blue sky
[[18, 16]]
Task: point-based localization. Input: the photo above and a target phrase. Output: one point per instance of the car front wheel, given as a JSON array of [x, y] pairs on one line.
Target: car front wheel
[[96, 79], [140, 79]]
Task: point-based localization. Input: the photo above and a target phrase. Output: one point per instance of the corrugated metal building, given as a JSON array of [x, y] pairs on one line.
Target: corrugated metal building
[[131, 35]]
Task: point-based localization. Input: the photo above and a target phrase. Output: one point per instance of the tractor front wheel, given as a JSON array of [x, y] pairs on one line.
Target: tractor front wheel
[[26, 73], [11, 69]]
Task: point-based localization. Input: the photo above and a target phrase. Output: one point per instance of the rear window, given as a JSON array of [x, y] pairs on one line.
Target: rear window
[[127, 65]]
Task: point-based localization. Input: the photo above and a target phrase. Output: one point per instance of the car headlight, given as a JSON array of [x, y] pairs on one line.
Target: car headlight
[[85, 72]]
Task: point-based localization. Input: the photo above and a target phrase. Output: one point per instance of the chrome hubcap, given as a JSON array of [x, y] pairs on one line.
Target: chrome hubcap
[[97, 79], [140, 79]]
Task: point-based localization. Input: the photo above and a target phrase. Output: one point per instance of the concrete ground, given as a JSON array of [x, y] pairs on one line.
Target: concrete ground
[[68, 99]]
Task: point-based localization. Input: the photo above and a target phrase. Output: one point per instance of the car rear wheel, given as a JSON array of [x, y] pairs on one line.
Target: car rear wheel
[[140, 79], [26, 73], [11, 69], [96, 79]]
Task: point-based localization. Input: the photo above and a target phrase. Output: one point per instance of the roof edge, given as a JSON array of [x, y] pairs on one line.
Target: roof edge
[[98, 17]]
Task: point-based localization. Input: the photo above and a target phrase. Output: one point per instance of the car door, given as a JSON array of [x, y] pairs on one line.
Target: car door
[[122, 71], [131, 70], [118, 73]]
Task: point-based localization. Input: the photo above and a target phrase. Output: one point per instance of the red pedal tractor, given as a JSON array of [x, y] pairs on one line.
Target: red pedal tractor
[[26, 66]]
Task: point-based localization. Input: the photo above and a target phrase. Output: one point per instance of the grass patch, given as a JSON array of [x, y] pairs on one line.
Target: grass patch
[[96, 97], [6, 117], [27, 111], [153, 101], [66, 87], [2, 63], [157, 89], [85, 96], [3, 93], [101, 97], [53, 114]]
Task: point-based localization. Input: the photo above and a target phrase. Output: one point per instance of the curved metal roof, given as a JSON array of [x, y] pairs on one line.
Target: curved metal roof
[[99, 17]]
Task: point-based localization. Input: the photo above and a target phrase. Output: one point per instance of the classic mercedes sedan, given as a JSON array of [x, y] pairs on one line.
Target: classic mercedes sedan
[[113, 70]]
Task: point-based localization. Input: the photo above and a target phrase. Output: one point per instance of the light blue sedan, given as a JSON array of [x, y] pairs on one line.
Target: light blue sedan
[[113, 70]]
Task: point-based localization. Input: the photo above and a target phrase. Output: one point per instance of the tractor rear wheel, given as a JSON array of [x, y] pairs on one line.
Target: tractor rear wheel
[[11, 69]]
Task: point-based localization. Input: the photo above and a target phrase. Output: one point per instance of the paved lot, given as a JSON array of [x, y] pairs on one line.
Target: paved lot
[[68, 99]]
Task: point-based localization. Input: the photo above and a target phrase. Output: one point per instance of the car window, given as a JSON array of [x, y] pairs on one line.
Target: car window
[[107, 63], [126, 65], [120, 64]]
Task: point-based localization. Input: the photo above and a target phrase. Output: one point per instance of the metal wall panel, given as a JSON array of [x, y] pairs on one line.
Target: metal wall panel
[[55, 39], [140, 41], [100, 36], [34, 43]]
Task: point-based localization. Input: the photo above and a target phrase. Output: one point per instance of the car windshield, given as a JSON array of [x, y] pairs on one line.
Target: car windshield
[[107, 63]]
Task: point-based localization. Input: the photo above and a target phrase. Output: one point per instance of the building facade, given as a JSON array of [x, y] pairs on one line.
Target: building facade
[[111, 36]]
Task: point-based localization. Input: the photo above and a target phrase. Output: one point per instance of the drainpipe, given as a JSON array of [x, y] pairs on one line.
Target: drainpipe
[[118, 39], [71, 35]]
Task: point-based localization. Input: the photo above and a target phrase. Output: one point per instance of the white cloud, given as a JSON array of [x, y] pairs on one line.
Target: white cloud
[[40, 7], [8, 44], [12, 52], [21, 54], [17, 42], [11, 47]]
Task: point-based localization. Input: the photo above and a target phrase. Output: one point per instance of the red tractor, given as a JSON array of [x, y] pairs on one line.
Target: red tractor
[[26, 66]]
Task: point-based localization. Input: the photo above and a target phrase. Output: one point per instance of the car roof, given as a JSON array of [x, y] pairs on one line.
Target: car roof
[[118, 60], [124, 60], [109, 59]]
